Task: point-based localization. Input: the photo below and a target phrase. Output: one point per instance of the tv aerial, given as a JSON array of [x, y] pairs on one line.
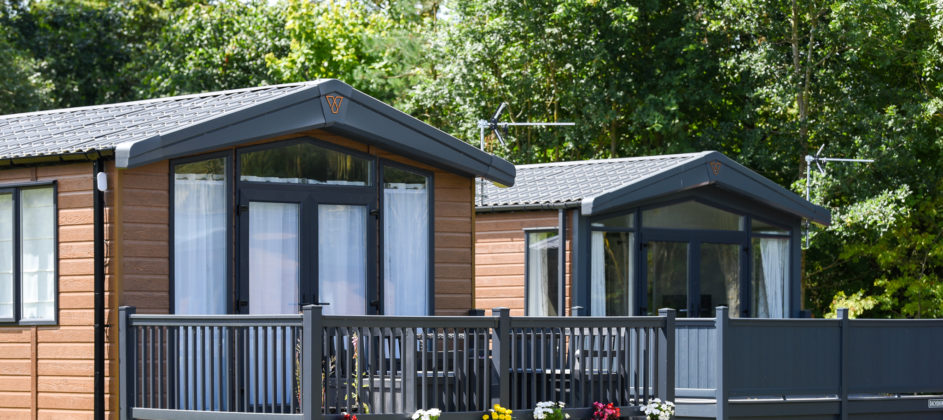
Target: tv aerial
[[819, 161], [497, 127]]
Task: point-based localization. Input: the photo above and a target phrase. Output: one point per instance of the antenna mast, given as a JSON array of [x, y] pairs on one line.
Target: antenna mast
[[818, 160], [496, 127]]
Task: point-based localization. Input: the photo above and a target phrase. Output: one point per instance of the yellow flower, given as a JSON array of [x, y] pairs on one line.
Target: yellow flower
[[497, 407], [484, 417]]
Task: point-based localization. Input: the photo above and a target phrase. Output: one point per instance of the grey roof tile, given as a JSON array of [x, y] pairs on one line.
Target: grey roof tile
[[550, 184], [102, 127]]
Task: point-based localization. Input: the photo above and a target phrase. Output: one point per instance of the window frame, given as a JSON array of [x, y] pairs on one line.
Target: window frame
[[228, 159], [17, 318], [239, 151], [527, 231], [381, 164]]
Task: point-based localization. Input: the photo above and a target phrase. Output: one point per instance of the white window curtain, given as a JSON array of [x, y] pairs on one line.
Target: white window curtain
[[274, 255], [342, 257], [200, 244], [771, 296], [540, 281], [37, 247], [199, 274], [405, 250], [274, 288], [6, 256], [597, 289]]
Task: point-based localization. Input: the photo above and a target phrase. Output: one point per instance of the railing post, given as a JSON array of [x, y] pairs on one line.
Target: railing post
[[409, 371], [665, 385], [721, 323], [843, 383], [501, 354], [126, 362], [312, 347]]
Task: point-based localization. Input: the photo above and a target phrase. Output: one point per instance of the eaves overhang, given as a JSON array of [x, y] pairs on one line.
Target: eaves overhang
[[711, 168], [330, 105]]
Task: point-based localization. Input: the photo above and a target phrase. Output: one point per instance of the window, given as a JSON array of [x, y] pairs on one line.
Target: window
[[770, 277], [406, 242], [200, 200], [304, 163], [612, 267], [691, 215], [543, 291], [28, 229]]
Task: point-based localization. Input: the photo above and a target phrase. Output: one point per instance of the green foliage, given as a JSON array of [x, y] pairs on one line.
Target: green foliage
[[215, 46], [349, 40], [22, 87], [81, 47]]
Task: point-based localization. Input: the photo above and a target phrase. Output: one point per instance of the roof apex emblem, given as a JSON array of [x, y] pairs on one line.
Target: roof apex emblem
[[715, 167], [334, 101]]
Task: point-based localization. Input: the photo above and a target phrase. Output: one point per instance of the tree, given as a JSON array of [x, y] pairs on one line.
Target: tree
[[82, 48], [638, 78], [215, 46], [373, 48]]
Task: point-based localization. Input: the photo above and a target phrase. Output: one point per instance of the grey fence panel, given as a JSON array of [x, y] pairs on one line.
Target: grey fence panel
[[695, 357], [895, 356], [773, 357], [582, 360], [231, 364], [392, 364]]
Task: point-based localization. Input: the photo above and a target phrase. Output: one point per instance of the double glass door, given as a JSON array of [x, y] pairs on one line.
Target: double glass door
[[692, 277], [305, 245]]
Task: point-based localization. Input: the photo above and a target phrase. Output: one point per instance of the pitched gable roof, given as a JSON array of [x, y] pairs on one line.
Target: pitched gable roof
[[148, 131], [597, 186]]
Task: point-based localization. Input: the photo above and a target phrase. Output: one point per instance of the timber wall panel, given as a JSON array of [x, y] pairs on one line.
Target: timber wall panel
[[500, 257], [143, 217], [47, 371]]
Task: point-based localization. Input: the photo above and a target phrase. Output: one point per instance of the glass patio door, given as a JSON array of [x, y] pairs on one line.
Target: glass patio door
[[342, 259], [301, 246], [693, 277], [667, 275]]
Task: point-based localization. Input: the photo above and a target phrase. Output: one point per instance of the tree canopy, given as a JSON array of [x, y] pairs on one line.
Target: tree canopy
[[764, 81]]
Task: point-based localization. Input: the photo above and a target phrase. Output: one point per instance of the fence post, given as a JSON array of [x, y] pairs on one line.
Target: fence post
[[126, 348], [501, 354], [665, 385], [721, 323], [312, 347], [409, 371], [843, 382]]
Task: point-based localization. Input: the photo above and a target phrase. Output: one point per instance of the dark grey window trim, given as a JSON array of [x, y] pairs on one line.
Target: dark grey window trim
[[17, 253], [372, 176], [430, 176], [527, 231], [308, 196], [227, 156], [541, 229]]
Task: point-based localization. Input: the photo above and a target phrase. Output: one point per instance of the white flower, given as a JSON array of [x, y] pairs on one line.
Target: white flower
[[417, 415]]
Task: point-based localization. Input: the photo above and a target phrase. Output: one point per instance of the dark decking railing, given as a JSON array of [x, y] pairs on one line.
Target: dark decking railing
[[314, 366], [384, 368], [805, 367]]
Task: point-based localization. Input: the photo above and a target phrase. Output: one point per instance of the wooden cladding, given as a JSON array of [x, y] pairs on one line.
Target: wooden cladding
[[500, 257], [47, 371]]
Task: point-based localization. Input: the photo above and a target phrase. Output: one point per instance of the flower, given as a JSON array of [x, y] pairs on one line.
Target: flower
[[431, 414], [550, 410], [658, 410]]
